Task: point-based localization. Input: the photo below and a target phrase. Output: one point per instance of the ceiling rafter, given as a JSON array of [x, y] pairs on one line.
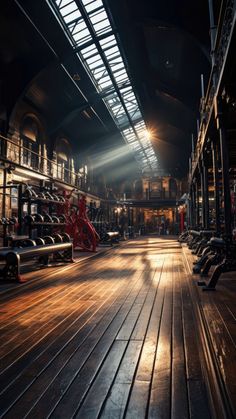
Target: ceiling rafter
[[88, 27]]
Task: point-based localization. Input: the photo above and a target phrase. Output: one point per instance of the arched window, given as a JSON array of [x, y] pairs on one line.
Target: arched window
[[30, 142], [64, 160]]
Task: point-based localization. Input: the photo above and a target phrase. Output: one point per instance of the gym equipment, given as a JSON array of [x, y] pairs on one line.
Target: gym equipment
[[29, 192], [38, 218], [81, 229], [14, 257], [47, 218], [183, 236], [224, 258], [48, 240], [4, 221], [78, 225], [202, 260], [13, 220], [62, 218], [58, 238], [48, 196], [111, 237], [65, 237], [27, 243], [39, 241], [55, 197], [55, 219], [41, 195]]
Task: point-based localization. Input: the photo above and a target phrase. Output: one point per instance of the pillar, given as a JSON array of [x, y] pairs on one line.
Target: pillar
[[215, 167], [205, 202], [224, 157]]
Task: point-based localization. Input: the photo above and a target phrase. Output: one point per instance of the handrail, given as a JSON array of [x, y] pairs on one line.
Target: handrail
[[51, 167]]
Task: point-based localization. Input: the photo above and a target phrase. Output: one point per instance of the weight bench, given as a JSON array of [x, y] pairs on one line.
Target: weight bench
[[227, 263], [111, 237], [14, 257], [202, 244]]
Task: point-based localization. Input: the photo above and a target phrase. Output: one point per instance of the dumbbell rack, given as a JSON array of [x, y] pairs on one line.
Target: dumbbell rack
[[43, 228], [8, 225]]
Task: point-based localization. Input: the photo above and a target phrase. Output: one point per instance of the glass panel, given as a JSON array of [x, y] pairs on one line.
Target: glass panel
[[71, 7], [102, 27], [98, 17], [87, 52], [72, 16], [96, 65], [63, 3], [93, 5], [84, 37], [89, 2], [109, 41]]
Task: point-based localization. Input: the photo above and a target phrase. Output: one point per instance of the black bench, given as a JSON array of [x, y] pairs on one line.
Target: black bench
[[14, 256], [111, 237]]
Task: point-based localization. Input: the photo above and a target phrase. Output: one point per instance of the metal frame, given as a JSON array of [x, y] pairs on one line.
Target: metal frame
[[95, 42]]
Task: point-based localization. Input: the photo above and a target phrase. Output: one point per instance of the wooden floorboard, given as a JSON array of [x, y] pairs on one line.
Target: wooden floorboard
[[160, 394], [179, 393], [112, 337]]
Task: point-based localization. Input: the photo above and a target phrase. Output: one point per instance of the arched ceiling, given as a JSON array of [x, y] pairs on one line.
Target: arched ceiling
[[166, 45]]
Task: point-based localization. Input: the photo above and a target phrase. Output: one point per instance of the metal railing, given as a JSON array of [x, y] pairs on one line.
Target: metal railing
[[25, 157]]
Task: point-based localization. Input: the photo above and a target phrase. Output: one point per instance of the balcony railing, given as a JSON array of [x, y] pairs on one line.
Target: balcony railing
[[24, 157]]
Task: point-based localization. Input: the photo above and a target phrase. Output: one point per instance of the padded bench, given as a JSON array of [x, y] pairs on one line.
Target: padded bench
[[14, 256], [111, 237]]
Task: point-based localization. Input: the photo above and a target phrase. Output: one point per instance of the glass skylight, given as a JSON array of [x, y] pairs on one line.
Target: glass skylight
[[88, 27]]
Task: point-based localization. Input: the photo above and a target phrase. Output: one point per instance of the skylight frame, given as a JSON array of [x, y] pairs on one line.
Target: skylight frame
[[96, 44]]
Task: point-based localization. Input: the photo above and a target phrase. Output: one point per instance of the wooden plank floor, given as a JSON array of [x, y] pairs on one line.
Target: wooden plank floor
[[115, 336]]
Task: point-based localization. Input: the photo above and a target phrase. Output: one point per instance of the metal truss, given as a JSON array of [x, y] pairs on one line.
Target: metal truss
[[87, 26]]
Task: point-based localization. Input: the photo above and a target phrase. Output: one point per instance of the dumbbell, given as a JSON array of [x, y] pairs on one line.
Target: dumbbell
[[5, 221], [27, 243], [47, 218], [48, 240], [62, 218], [55, 219], [13, 220], [41, 195], [65, 237], [8, 221], [30, 192], [38, 218], [57, 238], [49, 196], [55, 197], [39, 241]]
